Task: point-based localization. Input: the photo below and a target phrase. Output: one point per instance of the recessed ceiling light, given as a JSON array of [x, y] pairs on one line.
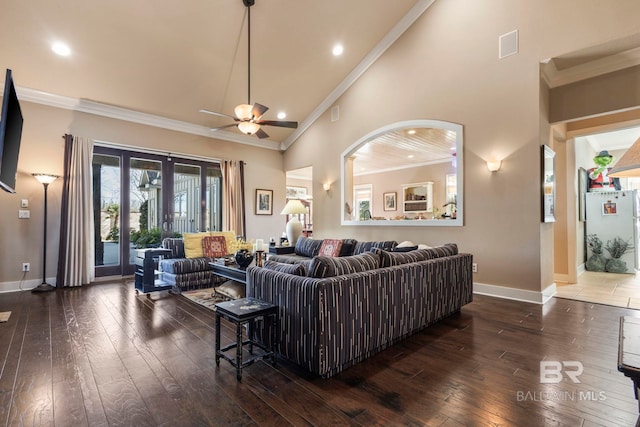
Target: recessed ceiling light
[[61, 49], [410, 156], [282, 115], [411, 131], [337, 50]]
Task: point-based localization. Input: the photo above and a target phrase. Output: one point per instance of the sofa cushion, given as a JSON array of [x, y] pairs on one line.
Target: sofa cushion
[[323, 266], [362, 247], [214, 246], [348, 245], [307, 247], [185, 265], [389, 259], [295, 269], [330, 247], [448, 249]]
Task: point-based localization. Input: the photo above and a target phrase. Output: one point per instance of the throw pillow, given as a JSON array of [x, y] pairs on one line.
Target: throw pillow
[[389, 259], [193, 245], [347, 247], [214, 246], [330, 247], [295, 269], [362, 247], [323, 266]]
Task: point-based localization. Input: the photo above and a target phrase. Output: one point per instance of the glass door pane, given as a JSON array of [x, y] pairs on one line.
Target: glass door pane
[[106, 203], [186, 198], [145, 204], [213, 213]]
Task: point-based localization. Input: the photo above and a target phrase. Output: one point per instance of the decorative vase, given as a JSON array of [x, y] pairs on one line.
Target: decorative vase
[[616, 265], [243, 258], [596, 262]]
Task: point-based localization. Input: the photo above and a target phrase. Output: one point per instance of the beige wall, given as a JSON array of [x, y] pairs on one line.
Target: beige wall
[[42, 151], [446, 67]]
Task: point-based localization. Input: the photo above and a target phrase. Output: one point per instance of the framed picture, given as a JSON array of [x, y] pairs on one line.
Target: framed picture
[[390, 201], [296, 192], [583, 185], [264, 202], [609, 208], [548, 164]]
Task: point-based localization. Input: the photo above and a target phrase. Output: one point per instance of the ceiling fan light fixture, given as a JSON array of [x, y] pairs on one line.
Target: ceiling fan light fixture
[[248, 128], [243, 111]]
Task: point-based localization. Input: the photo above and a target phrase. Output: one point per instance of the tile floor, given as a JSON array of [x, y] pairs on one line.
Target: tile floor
[[620, 290]]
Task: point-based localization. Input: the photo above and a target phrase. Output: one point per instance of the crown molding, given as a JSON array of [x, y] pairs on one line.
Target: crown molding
[[119, 113], [400, 28], [619, 61]]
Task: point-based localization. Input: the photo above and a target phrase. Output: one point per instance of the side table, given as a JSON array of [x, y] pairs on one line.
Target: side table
[[145, 274], [241, 311]]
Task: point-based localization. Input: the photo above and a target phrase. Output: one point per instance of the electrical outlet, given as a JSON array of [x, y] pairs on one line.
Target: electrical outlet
[[474, 267], [26, 266]]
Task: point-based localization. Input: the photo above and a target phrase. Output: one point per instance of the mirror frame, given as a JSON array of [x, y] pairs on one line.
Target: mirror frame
[[457, 128]]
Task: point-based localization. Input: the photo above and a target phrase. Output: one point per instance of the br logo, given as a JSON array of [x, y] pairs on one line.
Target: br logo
[[551, 371]]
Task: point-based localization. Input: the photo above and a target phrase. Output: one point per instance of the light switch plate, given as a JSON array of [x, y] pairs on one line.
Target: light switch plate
[[24, 203], [22, 213]]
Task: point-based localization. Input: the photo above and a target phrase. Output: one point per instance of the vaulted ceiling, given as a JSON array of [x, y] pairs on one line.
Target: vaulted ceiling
[[169, 59]]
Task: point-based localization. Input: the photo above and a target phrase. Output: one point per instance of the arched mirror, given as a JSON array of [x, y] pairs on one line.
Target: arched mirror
[[404, 174]]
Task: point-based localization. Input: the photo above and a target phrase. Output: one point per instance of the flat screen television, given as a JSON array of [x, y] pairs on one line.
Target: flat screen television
[[10, 134]]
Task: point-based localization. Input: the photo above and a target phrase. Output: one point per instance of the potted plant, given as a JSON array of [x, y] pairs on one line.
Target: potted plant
[[596, 261], [616, 248]]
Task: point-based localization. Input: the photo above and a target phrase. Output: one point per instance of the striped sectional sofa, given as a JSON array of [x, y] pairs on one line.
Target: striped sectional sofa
[[343, 310]]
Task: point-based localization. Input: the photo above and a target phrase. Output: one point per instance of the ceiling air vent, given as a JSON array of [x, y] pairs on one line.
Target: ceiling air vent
[[508, 44]]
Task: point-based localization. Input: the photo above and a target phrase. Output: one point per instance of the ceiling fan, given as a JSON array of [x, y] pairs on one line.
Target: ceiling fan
[[248, 117]]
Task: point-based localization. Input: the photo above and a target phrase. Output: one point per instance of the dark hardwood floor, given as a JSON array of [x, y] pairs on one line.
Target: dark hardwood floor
[[101, 355]]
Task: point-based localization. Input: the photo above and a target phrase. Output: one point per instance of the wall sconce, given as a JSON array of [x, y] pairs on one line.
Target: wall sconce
[[326, 186], [494, 165]]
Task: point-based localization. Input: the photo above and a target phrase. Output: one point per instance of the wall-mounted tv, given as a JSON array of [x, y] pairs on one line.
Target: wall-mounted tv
[[10, 134]]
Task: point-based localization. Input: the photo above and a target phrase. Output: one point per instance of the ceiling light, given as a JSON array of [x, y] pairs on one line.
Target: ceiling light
[[337, 50], [248, 127], [282, 115], [243, 111], [411, 131], [410, 156], [61, 49]]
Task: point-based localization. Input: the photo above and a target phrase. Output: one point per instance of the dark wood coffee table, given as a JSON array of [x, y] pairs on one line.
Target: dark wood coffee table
[[236, 286]]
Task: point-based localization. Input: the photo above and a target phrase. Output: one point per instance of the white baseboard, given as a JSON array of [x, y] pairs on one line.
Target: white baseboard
[[515, 294], [24, 285], [581, 269], [562, 278]]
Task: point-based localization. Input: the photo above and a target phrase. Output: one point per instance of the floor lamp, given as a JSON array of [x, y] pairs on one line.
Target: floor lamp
[[45, 179]]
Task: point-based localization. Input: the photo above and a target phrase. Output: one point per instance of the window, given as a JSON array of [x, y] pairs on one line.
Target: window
[[362, 195]]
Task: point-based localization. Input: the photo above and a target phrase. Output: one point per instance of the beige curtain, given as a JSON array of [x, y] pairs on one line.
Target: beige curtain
[[233, 196], [76, 260]]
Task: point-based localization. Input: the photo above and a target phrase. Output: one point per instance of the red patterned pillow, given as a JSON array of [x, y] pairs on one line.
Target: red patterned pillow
[[330, 247], [214, 246]]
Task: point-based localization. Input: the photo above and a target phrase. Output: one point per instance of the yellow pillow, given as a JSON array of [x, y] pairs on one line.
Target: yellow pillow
[[193, 244]]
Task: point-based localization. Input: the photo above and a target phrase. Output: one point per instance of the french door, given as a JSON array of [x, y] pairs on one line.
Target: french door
[[140, 198]]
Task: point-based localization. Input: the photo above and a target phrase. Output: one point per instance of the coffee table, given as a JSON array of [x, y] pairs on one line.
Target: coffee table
[[236, 286]]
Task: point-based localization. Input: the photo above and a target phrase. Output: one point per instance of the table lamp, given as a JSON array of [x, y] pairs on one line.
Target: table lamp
[[294, 226]]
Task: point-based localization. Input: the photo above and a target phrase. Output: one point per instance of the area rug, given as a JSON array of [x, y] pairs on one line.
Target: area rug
[[204, 297], [4, 316]]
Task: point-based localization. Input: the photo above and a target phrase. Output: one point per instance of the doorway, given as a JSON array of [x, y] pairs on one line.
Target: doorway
[[151, 197], [299, 185]]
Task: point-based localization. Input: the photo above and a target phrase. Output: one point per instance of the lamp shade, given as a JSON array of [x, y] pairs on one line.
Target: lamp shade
[[629, 164], [248, 128], [45, 178], [243, 111], [293, 206]]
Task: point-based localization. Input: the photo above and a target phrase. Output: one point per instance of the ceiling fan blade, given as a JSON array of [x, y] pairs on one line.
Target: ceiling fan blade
[[279, 123], [258, 110], [218, 114], [261, 134], [222, 127]]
